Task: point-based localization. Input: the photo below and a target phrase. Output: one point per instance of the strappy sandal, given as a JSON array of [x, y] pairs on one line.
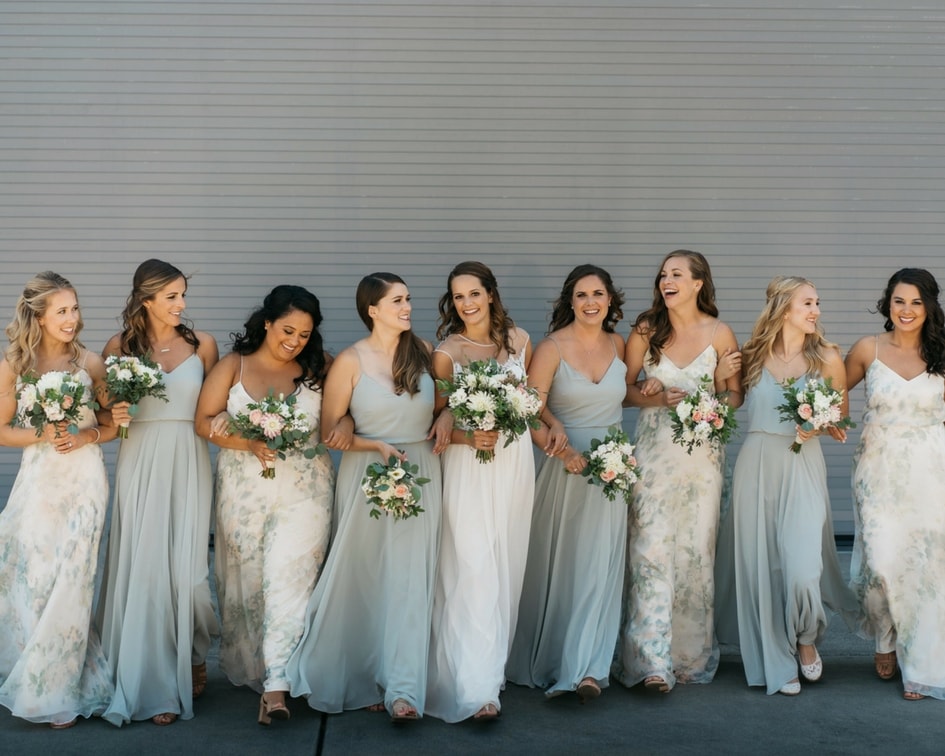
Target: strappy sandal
[[163, 720], [63, 725], [656, 684], [403, 711], [198, 678], [269, 710], [885, 664], [912, 695], [487, 713], [588, 689]]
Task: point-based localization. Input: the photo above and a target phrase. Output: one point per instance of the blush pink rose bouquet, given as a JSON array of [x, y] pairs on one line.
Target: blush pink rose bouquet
[[814, 407], [393, 489], [53, 397], [703, 417], [611, 464]]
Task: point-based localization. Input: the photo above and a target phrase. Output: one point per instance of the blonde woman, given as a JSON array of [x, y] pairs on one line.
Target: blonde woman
[[786, 568], [51, 664]]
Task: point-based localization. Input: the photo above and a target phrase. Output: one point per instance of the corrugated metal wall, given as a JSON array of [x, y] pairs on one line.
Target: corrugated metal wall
[[254, 143]]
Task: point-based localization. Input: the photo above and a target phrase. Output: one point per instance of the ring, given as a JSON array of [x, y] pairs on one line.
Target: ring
[[70, 444]]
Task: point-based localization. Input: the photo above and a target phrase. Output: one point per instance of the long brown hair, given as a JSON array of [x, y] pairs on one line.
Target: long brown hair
[[654, 322], [150, 277], [562, 313], [500, 324], [411, 358]]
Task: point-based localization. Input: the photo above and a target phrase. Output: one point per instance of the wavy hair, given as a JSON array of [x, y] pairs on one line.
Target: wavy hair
[[654, 323], [562, 313], [411, 359], [150, 277], [25, 332], [768, 328], [278, 303], [500, 324], [932, 342]]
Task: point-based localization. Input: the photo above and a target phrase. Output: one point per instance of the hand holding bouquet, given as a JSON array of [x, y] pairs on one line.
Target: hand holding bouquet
[[393, 488], [813, 408], [611, 464], [703, 417], [130, 379], [280, 424], [52, 398], [485, 396]]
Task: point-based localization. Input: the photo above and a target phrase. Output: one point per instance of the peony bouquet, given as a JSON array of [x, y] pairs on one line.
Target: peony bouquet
[[611, 464], [814, 407], [703, 417], [53, 397], [393, 489], [130, 379], [485, 396], [280, 423]]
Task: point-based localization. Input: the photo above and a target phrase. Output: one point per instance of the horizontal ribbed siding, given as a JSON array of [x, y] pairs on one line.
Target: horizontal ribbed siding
[[258, 143]]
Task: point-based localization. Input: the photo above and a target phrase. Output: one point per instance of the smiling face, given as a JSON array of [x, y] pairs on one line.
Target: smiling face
[[906, 308], [167, 306], [393, 309], [287, 336], [471, 300], [590, 300], [61, 319], [804, 310], [676, 284]]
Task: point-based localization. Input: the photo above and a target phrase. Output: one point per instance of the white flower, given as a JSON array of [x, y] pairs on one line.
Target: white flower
[[480, 401], [683, 410], [51, 381], [396, 473], [53, 411]]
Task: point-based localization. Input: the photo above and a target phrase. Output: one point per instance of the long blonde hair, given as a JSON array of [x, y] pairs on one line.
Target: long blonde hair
[[25, 332], [768, 328]]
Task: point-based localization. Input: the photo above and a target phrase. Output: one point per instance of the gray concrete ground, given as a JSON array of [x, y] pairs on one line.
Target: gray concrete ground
[[850, 711]]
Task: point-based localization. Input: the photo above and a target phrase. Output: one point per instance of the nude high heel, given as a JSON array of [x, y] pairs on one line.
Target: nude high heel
[[269, 710]]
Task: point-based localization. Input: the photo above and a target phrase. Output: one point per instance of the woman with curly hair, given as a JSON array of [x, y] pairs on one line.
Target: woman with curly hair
[[570, 610], [669, 633], [51, 664], [155, 614], [898, 560], [272, 533], [486, 511], [785, 562]]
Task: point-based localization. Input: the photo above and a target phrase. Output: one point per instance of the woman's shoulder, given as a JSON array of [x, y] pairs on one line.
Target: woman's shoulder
[[112, 346]]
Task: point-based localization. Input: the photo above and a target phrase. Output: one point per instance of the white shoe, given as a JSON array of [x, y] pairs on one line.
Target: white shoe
[[813, 671], [790, 689]]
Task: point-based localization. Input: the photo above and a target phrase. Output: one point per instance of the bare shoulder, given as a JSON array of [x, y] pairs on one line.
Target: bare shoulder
[[112, 346], [520, 338], [619, 344]]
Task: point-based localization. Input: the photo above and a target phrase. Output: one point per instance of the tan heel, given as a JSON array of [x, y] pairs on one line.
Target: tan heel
[[269, 710]]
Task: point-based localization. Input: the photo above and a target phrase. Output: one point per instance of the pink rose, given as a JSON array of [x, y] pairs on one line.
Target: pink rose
[[67, 402], [401, 491], [256, 416], [718, 423], [805, 411], [697, 416], [608, 475]]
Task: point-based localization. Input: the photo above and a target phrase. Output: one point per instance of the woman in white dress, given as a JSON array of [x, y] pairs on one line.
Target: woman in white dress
[[668, 635], [271, 533], [487, 510], [155, 613], [51, 664], [898, 565]]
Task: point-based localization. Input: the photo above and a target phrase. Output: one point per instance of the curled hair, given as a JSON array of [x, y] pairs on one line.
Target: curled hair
[[150, 277], [768, 328], [500, 324], [25, 332], [562, 312], [932, 342], [278, 303], [411, 358], [654, 323]]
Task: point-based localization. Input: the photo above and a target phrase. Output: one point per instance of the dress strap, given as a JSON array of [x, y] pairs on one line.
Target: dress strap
[[875, 348], [240, 379]]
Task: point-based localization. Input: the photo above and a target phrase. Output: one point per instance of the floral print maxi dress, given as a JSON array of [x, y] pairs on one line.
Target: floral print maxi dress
[[674, 517], [898, 565]]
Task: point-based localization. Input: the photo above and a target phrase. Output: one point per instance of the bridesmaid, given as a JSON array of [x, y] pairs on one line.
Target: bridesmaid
[[786, 567], [669, 635], [570, 608], [155, 613], [898, 564], [486, 512], [367, 629], [51, 664], [272, 534]]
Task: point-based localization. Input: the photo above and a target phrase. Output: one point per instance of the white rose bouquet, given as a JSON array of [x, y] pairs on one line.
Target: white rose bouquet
[[815, 407], [703, 417], [485, 396], [281, 424], [53, 397], [393, 489], [611, 464], [130, 379]]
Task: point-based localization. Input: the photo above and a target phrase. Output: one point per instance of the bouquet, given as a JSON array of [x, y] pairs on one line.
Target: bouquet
[[703, 417], [485, 396], [611, 464], [813, 407], [278, 422], [393, 489], [130, 379], [53, 397]]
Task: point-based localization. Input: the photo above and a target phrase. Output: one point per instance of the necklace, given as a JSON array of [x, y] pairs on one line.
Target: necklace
[[789, 360], [475, 343]]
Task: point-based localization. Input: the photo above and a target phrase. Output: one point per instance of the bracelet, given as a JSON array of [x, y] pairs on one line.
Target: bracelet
[[98, 435]]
